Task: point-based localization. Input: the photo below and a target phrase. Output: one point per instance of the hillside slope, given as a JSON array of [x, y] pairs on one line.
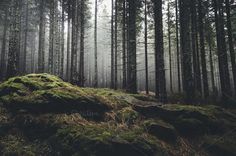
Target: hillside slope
[[42, 115]]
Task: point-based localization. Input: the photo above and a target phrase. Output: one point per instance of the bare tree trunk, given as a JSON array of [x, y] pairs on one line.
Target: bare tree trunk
[[116, 44], [177, 45], [41, 38], [195, 50], [62, 39], [170, 53], [95, 46], [203, 52], [82, 78], [188, 86], [14, 43], [222, 52], [146, 50], [112, 45], [159, 53], [231, 45], [26, 37], [68, 43], [51, 38], [132, 67], [3, 51], [124, 45]]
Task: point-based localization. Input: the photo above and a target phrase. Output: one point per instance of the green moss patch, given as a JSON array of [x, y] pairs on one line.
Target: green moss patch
[[42, 115]]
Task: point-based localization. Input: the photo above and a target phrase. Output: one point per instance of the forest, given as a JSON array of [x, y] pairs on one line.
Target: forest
[[117, 77]]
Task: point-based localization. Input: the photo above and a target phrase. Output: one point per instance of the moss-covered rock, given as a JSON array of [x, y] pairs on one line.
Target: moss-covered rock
[[223, 145], [41, 93], [42, 115], [161, 130]]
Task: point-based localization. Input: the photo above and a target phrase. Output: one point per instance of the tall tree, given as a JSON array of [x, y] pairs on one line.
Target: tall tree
[[195, 50], [188, 86], [159, 53], [95, 46], [230, 40], [222, 52], [82, 24], [14, 40], [68, 40], [51, 37], [146, 47], [73, 59], [124, 44], [62, 38], [116, 45], [112, 44], [42, 27], [26, 36], [131, 65], [3, 50], [169, 46], [202, 48], [177, 44]]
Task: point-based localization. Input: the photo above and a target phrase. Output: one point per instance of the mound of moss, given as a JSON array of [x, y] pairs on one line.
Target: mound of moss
[[42, 115]]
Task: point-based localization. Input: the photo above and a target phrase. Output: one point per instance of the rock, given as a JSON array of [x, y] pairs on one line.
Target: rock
[[44, 93], [161, 130]]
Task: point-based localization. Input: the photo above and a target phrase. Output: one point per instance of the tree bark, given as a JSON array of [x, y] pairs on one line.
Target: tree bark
[[222, 52], [188, 86], [3, 51], [202, 49], [132, 67], [231, 45], [146, 50], [159, 53]]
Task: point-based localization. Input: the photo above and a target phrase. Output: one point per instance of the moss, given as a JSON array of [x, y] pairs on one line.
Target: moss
[[12, 145], [218, 146], [115, 99], [127, 115], [96, 139], [209, 110], [70, 120], [160, 129], [43, 92]]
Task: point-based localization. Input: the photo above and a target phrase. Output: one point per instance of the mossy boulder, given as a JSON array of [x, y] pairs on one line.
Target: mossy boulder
[[42, 93], [161, 130], [42, 115]]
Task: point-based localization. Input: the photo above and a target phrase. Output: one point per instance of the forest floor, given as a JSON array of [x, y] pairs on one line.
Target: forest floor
[[42, 115]]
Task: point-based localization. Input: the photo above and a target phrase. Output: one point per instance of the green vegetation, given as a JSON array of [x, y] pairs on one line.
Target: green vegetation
[[40, 113]]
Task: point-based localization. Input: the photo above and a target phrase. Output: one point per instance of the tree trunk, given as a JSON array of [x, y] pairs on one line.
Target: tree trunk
[[51, 38], [68, 43], [188, 86], [146, 50], [112, 44], [222, 52], [177, 45], [82, 78], [14, 43], [73, 73], [95, 46], [116, 44], [195, 51], [202, 49], [159, 53], [26, 37], [124, 45], [132, 67], [231, 45], [62, 39], [169, 44], [41, 38], [3, 52]]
